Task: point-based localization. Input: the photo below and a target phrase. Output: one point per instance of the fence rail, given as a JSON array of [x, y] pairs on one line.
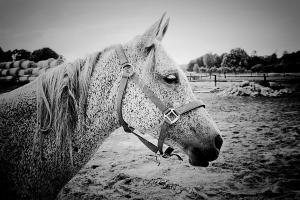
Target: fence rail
[[255, 77]]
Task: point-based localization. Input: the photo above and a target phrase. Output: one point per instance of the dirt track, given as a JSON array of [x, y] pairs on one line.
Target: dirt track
[[260, 159]]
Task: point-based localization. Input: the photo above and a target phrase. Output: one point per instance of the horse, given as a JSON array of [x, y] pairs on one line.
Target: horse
[[51, 127]]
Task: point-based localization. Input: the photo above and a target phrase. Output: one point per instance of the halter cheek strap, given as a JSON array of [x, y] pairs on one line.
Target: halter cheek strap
[[171, 115]]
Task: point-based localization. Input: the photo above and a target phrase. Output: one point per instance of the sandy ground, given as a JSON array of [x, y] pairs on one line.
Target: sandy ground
[[260, 158]]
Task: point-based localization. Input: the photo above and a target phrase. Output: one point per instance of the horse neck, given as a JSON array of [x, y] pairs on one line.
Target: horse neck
[[101, 108]]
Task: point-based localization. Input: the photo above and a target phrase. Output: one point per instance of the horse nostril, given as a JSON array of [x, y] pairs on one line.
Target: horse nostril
[[196, 151], [218, 142]]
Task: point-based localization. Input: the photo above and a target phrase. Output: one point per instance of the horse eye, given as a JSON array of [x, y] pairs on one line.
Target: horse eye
[[171, 79], [149, 48]]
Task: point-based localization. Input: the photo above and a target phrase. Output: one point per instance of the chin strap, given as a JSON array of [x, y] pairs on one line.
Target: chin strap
[[171, 115]]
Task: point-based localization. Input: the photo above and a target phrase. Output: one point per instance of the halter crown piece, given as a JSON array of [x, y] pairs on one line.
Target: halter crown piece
[[171, 115]]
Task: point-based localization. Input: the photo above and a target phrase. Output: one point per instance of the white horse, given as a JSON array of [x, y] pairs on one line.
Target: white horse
[[51, 127]]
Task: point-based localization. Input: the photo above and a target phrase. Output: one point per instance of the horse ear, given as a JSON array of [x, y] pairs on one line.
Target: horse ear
[[163, 30], [156, 31]]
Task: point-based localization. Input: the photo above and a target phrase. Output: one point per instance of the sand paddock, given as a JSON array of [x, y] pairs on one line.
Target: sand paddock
[[260, 158]]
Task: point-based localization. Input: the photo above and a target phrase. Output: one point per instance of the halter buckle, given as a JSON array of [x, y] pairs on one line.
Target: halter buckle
[[171, 116], [127, 70]]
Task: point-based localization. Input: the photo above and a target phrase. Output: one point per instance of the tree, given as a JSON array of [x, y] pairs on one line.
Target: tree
[[279, 67], [203, 69], [222, 56], [211, 70], [7, 56], [1, 55], [236, 58], [291, 61], [214, 69], [240, 69], [222, 70], [199, 61], [257, 68], [253, 53], [285, 53], [273, 58], [217, 60], [196, 68], [208, 60], [219, 70], [227, 70], [43, 54], [21, 54], [190, 66], [254, 60]]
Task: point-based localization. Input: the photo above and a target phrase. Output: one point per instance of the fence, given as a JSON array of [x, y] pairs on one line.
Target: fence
[[255, 77]]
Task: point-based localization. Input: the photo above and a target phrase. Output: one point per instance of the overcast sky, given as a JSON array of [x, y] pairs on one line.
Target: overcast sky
[[75, 28]]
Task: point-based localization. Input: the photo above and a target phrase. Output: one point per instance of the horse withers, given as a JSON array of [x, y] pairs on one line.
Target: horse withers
[[51, 127]]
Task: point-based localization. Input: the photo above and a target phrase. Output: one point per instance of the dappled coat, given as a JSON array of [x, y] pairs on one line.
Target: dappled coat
[[52, 126]]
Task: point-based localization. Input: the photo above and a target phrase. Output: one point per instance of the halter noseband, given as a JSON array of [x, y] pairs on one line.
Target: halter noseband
[[171, 115]]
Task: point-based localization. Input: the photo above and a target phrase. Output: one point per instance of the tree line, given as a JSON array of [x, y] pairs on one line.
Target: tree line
[[238, 61], [20, 54]]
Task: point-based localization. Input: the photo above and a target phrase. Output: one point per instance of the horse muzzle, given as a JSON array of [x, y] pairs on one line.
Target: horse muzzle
[[201, 156]]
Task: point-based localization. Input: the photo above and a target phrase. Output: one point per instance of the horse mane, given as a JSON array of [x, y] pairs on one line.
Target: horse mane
[[62, 94]]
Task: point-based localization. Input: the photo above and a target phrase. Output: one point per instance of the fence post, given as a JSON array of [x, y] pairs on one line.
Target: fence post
[[265, 78], [215, 80]]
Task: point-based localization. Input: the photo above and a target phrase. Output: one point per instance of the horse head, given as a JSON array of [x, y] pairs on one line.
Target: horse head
[[194, 131]]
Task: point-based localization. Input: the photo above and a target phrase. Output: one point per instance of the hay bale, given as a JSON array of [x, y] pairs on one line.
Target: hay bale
[[26, 71], [33, 65], [28, 64], [26, 79], [3, 72], [25, 64], [8, 65], [23, 79], [16, 71], [17, 64], [7, 78], [2, 65], [38, 71], [13, 71]]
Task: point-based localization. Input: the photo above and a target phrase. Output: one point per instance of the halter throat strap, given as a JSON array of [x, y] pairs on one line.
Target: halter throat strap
[[171, 115]]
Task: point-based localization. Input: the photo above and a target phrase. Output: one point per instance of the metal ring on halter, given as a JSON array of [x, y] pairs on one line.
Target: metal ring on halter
[[127, 70], [171, 116]]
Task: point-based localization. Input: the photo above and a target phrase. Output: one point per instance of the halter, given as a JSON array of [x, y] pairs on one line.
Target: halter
[[171, 115]]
